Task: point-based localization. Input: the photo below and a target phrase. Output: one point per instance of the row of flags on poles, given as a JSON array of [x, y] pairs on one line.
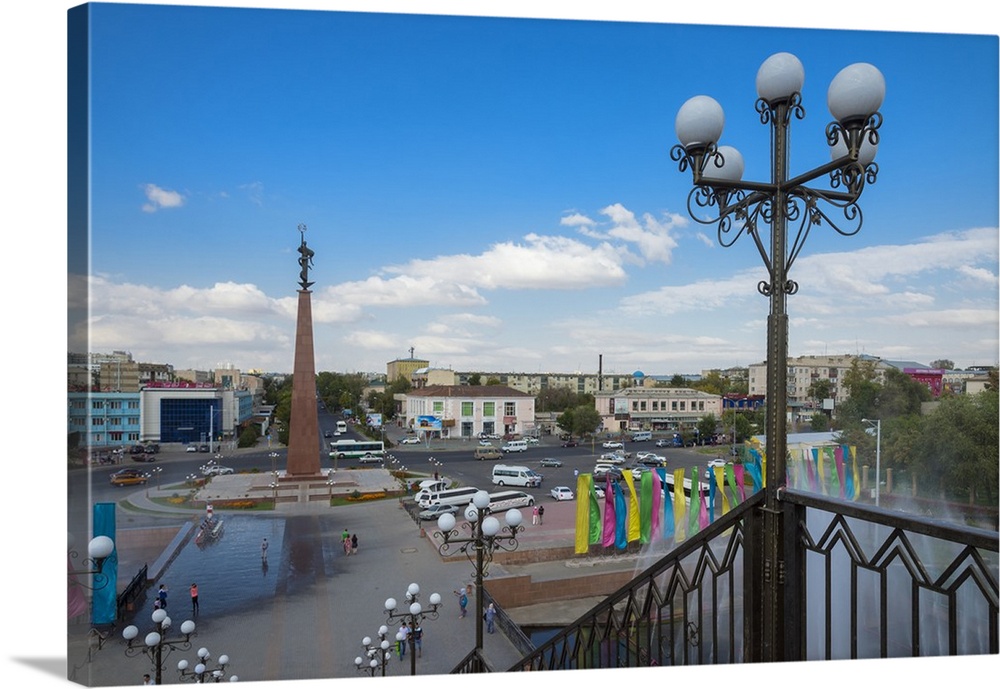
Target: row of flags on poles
[[674, 505]]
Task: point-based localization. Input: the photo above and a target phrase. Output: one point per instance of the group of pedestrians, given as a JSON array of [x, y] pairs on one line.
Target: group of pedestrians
[[350, 542], [405, 636], [537, 514]]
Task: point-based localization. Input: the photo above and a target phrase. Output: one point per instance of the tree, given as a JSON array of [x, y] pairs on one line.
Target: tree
[[819, 422], [861, 383], [493, 380], [707, 426], [958, 447], [820, 389], [579, 421], [248, 437], [677, 381], [946, 364], [474, 379]]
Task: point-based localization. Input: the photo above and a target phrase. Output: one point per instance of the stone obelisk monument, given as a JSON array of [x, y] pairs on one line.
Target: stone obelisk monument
[[303, 430]]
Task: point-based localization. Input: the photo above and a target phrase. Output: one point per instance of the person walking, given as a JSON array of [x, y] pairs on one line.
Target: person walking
[[162, 595], [354, 544], [194, 599], [402, 636], [491, 616], [541, 513], [263, 550], [147, 680], [418, 635], [463, 602], [534, 515]]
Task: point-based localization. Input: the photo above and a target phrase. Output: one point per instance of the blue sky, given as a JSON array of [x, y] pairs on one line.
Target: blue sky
[[497, 193]]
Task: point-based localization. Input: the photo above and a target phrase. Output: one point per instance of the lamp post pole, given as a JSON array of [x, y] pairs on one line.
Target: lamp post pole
[[155, 642], [412, 617], [737, 207], [486, 536], [878, 454]]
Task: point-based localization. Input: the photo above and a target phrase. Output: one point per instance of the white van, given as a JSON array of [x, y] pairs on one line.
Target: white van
[[506, 499], [428, 486], [515, 446], [505, 475], [640, 436], [459, 497]]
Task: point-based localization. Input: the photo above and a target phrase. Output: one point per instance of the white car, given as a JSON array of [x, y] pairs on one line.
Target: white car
[[644, 454], [612, 445], [485, 443], [613, 457], [717, 462], [215, 470], [410, 440], [191, 448], [531, 441], [561, 493], [599, 492]]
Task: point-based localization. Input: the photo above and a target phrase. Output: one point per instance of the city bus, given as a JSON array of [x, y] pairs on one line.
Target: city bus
[[363, 450], [341, 427]]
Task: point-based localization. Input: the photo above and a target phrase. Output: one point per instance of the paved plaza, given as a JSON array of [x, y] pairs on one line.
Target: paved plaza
[[303, 613]]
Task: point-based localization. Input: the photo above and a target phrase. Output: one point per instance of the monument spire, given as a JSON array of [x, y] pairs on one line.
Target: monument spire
[[303, 431]]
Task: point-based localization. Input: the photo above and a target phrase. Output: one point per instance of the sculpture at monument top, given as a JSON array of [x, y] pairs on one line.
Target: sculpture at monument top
[[305, 260]]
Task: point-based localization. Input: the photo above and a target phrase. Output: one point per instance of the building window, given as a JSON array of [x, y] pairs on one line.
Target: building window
[[642, 405], [635, 406], [114, 404], [673, 405], [438, 407], [466, 409], [97, 404], [509, 409], [682, 405], [489, 408]]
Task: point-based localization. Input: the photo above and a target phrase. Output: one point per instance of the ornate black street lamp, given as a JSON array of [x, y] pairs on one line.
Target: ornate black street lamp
[[201, 673], [155, 642], [486, 537], [720, 196], [412, 617], [98, 550], [375, 657]]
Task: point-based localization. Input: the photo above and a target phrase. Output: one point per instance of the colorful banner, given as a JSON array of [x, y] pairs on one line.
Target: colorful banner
[[582, 540], [632, 510], [104, 603], [621, 537]]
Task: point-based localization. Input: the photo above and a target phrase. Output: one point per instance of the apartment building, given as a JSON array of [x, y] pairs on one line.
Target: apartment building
[[655, 409], [465, 411]]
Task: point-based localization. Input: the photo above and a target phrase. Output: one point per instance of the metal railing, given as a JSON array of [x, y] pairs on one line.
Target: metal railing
[[856, 582]]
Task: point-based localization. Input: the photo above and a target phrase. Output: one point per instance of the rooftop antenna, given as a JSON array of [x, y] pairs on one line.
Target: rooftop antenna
[[411, 352]]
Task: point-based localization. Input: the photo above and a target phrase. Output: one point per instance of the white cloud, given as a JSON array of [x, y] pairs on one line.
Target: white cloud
[[653, 238], [157, 198]]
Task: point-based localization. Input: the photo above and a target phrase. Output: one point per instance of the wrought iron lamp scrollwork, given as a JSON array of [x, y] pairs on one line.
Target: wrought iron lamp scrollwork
[[375, 657], [722, 197], [486, 536], [98, 550], [155, 645], [201, 673], [412, 616]]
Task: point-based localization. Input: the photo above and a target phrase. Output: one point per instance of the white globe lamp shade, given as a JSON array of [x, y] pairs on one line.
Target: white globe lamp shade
[[130, 632], [152, 639], [699, 122], [435, 599], [224, 660], [390, 604], [182, 665], [159, 615], [187, 627], [383, 630], [513, 517], [446, 522], [413, 589], [234, 678], [779, 77], [415, 608], [100, 547], [384, 645], [481, 499], [199, 668], [365, 641], [373, 663], [203, 653], [732, 165], [866, 153], [491, 526], [471, 513], [856, 92]]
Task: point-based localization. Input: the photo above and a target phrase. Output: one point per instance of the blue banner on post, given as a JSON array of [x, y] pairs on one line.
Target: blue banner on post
[[105, 601]]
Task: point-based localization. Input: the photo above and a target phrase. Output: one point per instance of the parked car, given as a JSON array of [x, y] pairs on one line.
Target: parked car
[[215, 470], [717, 462], [531, 440], [410, 440], [203, 448], [327, 434], [128, 477], [143, 458], [191, 448], [435, 511], [570, 443], [485, 443], [152, 449], [614, 457], [599, 492], [612, 444], [663, 442], [551, 462], [561, 493]]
